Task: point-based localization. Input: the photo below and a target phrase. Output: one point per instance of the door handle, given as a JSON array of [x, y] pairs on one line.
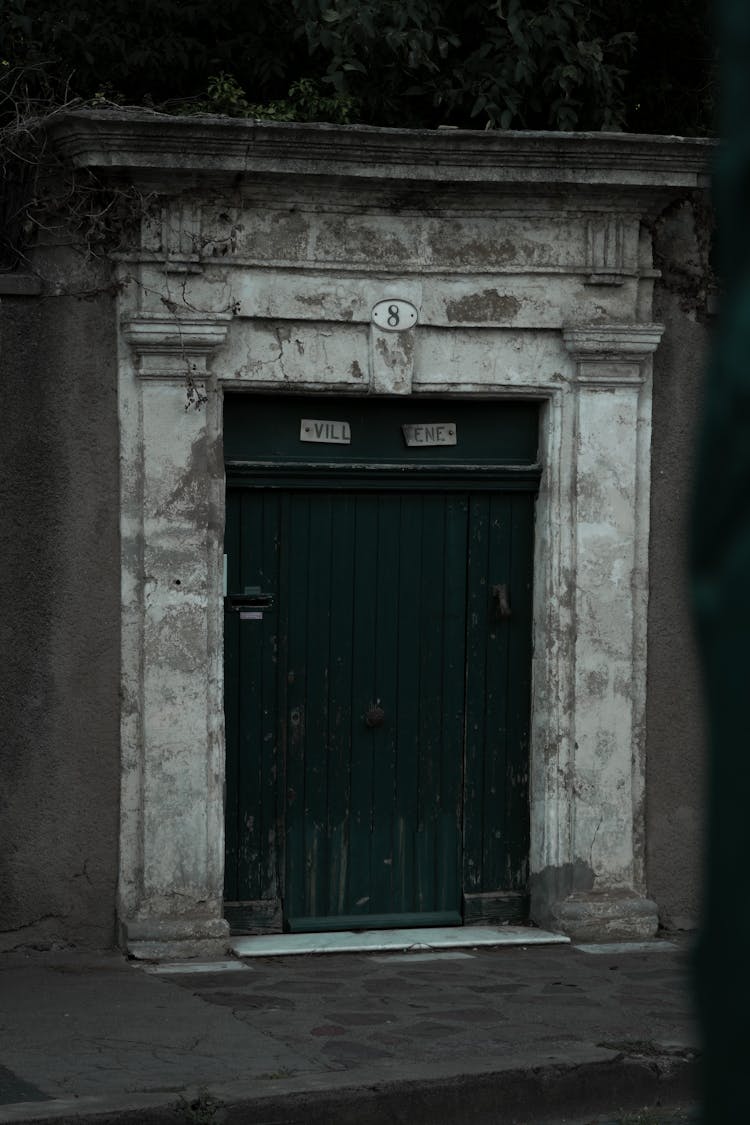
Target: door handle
[[374, 716], [502, 604]]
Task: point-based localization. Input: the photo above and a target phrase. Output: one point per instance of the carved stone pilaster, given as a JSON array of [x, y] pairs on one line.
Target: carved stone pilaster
[[609, 548], [172, 820]]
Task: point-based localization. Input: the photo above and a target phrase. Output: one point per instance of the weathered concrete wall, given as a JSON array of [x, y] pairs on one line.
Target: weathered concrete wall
[[675, 736], [60, 622]]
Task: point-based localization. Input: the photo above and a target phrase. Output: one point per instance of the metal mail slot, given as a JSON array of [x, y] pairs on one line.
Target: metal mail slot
[[239, 602]]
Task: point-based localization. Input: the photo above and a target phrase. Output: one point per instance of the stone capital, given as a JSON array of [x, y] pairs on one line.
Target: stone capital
[[610, 355], [169, 345]]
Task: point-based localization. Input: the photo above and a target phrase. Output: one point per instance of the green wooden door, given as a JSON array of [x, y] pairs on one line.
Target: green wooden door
[[376, 700]]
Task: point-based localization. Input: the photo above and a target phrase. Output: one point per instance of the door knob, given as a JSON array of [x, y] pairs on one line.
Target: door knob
[[374, 716]]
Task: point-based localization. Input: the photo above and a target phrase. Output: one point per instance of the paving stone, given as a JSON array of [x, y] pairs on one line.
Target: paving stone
[[363, 1019], [14, 1089], [241, 1000], [470, 1015], [349, 1051], [428, 1030]]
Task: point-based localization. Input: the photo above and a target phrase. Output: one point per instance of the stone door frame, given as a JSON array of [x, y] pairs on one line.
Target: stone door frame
[[589, 665], [575, 334]]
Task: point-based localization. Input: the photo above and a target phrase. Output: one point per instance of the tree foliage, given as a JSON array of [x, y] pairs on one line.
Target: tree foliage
[[528, 64]]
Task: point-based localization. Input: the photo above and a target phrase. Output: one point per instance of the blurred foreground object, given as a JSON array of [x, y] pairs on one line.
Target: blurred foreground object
[[721, 583]]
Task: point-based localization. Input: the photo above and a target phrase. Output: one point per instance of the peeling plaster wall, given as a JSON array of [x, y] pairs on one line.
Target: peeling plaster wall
[[675, 802], [59, 766]]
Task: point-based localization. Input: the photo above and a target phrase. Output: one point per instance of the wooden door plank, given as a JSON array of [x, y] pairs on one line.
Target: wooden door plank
[[340, 701], [519, 689], [232, 700], [409, 594], [384, 738], [476, 653], [495, 839], [296, 595], [454, 701], [271, 814], [430, 697], [250, 680], [363, 691], [317, 663]]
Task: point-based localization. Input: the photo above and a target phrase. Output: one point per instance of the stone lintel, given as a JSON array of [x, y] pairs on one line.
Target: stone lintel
[[619, 914], [169, 345]]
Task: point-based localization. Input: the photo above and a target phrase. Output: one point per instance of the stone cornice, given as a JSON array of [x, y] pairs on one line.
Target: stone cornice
[[169, 345], [147, 145]]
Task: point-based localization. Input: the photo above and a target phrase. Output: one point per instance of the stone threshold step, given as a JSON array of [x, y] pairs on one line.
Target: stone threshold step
[[382, 941]]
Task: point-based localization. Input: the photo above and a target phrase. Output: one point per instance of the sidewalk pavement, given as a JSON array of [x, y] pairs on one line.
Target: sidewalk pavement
[[510, 1036]]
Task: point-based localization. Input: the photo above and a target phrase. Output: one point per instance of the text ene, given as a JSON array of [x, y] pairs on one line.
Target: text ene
[[430, 433]]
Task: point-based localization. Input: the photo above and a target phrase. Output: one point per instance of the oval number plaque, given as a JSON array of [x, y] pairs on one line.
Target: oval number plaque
[[394, 315]]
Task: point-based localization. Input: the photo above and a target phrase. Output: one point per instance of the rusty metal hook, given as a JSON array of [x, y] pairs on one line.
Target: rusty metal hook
[[502, 604]]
